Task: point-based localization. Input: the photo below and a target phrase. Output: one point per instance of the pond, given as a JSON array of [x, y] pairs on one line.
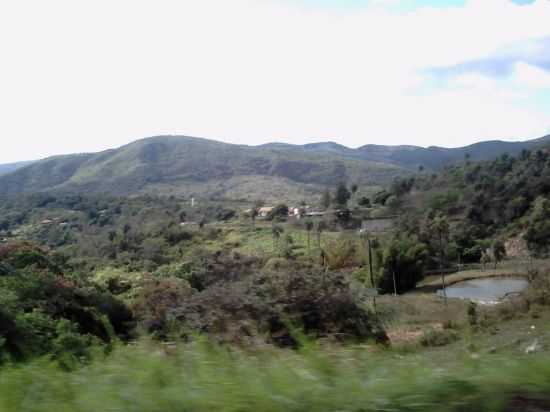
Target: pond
[[486, 289]]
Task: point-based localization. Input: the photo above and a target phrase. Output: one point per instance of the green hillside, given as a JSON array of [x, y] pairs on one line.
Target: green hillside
[[411, 157], [178, 165], [476, 210], [11, 167], [437, 157], [190, 166]]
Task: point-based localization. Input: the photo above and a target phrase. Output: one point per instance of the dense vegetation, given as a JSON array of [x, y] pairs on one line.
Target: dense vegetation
[[195, 304], [169, 270], [468, 213], [44, 311]]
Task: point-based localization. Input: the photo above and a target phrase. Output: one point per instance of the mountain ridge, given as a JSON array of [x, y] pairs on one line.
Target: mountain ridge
[[173, 164], [11, 167]]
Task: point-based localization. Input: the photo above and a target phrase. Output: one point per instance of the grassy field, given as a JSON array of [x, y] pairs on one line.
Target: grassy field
[[259, 241], [201, 377]]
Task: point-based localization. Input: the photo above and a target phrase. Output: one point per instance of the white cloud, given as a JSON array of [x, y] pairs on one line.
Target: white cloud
[[531, 76], [79, 76]]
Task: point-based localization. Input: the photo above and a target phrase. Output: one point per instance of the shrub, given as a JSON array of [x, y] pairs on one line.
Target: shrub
[[341, 253], [175, 235], [267, 304], [538, 229], [155, 299], [404, 257], [35, 301], [275, 264], [279, 212], [439, 337]]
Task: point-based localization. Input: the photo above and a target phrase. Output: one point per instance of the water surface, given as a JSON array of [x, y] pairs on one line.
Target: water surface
[[486, 289]]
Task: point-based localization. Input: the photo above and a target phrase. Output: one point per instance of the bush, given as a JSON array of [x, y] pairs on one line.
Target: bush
[[538, 229], [39, 306], [156, 298], [439, 337], [341, 253], [176, 235], [538, 292], [404, 257], [266, 305], [275, 264], [279, 212]]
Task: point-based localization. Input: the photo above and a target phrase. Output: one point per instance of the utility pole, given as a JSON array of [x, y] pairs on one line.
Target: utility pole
[[441, 267], [370, 271]]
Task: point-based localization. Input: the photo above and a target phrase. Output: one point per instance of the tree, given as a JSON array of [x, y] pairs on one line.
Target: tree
[[326, 199], [286, 247], [402, 264], [393, 202], [499, 251], [279, 212], [342, 195], [202, 222], [354, 189], [276, 231], [485, 258], [364, 201], [538, 229], [381, 197]]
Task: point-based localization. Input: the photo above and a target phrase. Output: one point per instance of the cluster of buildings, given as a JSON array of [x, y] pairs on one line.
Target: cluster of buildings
[[53, 221], [295, 212]]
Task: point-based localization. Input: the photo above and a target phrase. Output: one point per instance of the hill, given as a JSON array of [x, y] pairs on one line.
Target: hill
[[435, 158], [11, 167], [192, 166], [412, 157], [474, 208], [180, 165]]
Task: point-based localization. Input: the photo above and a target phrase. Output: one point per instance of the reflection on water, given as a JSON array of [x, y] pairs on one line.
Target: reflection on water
[[485, 290]]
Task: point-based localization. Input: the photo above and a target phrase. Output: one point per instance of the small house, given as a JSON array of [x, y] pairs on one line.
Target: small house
[[264, 211]]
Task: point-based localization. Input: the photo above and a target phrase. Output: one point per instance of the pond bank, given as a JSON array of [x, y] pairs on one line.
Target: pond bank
[[434, 283]]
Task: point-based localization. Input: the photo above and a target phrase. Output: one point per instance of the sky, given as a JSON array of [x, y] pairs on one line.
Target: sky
[[82, 76]]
